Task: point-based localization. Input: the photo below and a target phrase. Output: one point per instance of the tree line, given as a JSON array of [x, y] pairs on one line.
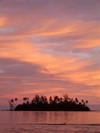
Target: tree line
[[41, 103]]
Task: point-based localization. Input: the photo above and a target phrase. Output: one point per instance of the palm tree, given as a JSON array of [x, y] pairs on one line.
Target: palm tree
[[82, 101], [11, 102], [16, 100], [37, 98], [60, 99], [65, 97], [42, 98], [25, 98], [71, 100], [76, 100], [86, 102], [56, 99], [50, 99], [45, 100]]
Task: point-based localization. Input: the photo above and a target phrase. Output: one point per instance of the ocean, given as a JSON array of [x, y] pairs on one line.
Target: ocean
[[49, 122]]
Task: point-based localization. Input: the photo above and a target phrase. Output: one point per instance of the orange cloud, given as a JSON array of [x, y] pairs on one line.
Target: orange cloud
[[50, 51], [2, 21]]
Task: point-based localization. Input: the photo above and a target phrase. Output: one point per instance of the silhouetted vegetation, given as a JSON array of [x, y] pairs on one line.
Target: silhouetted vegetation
[[40, 103]]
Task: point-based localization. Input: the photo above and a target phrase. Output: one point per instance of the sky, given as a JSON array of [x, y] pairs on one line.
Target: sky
[[50, 47]]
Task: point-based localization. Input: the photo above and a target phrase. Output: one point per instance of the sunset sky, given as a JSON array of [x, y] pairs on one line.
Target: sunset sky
[[50, 47]]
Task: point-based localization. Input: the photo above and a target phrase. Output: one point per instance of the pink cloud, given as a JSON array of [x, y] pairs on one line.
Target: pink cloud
[[50, 47]]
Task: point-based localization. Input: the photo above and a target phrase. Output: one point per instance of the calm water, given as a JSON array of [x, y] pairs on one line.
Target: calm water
[[49, 122]]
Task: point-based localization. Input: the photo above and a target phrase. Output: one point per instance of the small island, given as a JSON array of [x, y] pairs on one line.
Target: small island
[[41, 103]]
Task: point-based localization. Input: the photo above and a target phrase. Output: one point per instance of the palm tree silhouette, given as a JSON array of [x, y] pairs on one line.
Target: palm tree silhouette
[[76, 100], [86, 101], [42, 98], [65, 97], [50, 99], [11, 102], [16, 100], [40, 103], [60, 99], [56, 99], [82, 101]]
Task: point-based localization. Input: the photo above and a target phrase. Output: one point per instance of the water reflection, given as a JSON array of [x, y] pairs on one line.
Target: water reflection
[[50, 117], [47, 122]]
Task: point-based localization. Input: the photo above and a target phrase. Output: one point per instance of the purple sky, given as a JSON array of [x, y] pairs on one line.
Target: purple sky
[[50, 47]]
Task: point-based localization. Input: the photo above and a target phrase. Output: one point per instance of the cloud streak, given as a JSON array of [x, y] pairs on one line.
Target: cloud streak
[[50, 47]]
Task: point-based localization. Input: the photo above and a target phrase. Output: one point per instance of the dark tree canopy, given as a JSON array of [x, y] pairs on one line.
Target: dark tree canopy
[[41, 103]]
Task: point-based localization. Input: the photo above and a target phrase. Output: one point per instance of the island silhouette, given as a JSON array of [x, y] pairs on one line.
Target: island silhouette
[[41, 103]]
